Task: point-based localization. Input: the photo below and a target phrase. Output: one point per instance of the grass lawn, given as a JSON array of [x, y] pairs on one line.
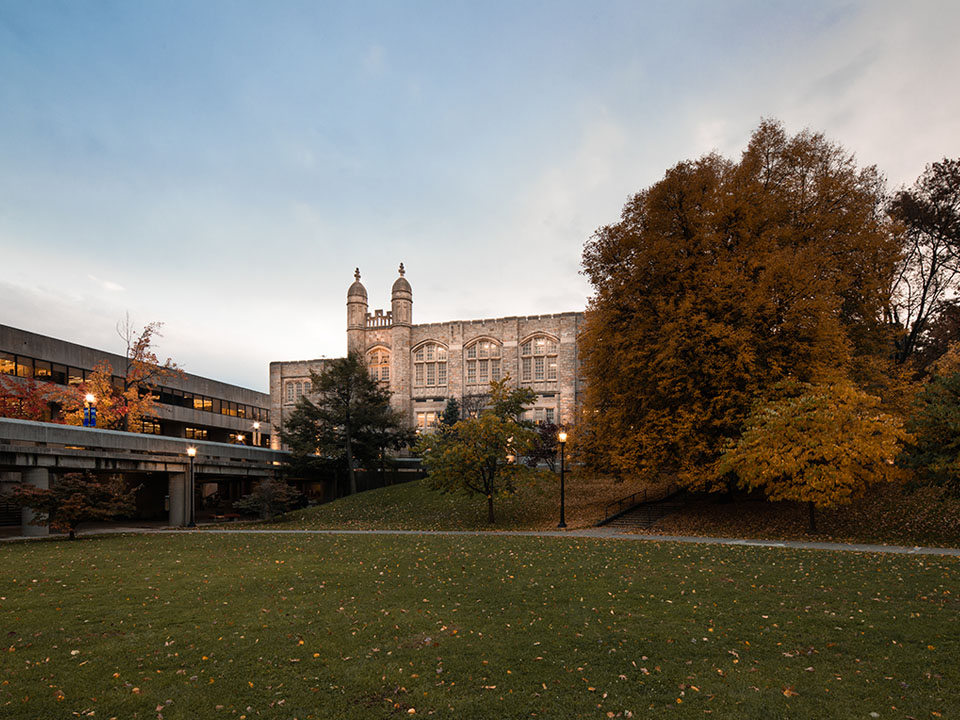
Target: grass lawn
[[209, 625], [414, 506]]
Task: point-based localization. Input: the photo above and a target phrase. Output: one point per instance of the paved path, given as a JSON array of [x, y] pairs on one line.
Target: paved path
[[596, 533]]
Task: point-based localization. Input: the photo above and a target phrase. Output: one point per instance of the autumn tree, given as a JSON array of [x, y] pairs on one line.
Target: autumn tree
[[26, 399], [75, 498], [718, 282], [822, 444], [928, 276], [478, 455], [934, 453], [350, 421], [123, 403]]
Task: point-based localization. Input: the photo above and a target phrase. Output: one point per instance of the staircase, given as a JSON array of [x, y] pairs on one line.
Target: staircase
[[646, 515]]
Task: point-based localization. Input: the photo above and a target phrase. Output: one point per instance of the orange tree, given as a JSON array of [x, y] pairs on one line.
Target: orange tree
[[478, 455], [125, 399], [822, 444], [718, 282]]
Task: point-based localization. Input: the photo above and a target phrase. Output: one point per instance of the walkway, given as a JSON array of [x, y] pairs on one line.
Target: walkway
[[595, 533]]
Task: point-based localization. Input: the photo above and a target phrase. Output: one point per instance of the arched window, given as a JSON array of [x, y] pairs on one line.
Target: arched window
[[378, 363], [430, 365], [538, 359], [482, 360]]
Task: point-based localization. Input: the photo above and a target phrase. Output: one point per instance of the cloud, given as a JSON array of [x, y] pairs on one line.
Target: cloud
[[107, 285]]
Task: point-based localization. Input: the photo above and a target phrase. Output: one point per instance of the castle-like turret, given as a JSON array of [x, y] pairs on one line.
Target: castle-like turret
[[401, 300], [356, 315], [401, 310]]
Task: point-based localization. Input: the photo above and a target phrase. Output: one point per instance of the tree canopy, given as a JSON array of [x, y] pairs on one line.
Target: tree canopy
[[821, 444], [479, 455], [75, 498], [349, 421], [720, 281]]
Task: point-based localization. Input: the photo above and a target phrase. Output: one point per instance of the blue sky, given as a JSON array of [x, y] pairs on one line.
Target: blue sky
[[223, 166]]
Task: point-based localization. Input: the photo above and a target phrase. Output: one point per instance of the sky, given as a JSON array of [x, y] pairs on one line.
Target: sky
[[223, 166]]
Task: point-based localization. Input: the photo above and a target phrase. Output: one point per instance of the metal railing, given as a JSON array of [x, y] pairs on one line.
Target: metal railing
[[633, 500]]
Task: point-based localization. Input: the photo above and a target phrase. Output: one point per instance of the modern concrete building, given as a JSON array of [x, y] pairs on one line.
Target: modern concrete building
[[188, 406], [424, 365]]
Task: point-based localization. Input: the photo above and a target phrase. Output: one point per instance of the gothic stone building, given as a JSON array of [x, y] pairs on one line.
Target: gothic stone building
[[424, 365]]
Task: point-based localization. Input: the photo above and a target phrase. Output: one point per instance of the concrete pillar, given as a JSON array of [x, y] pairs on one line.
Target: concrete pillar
[[177, 491], [39, 478]]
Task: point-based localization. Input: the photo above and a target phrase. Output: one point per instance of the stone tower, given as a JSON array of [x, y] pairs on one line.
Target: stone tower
[[401, 311], [356, 315]]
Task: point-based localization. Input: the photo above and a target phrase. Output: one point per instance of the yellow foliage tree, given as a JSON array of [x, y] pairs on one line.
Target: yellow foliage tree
[[823, 444]]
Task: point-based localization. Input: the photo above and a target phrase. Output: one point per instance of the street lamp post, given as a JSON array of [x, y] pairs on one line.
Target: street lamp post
[[256, 433], [562, 439], [240, 438], [90, 411], [191, 520]]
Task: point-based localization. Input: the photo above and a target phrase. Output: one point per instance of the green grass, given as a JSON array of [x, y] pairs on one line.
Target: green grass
[[308, 626], [414, 506]]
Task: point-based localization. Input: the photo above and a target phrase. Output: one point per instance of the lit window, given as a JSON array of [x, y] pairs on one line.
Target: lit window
[[538, 359], [378, 362], [483, 362], [430, 365]]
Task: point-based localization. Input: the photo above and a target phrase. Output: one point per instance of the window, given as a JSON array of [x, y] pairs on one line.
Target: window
[[551, 417], [24, 367], [430, 365], [483, 362], [426, 421], [8, 364], [196, 433], [538, 359], [378, 363], [289, 392]]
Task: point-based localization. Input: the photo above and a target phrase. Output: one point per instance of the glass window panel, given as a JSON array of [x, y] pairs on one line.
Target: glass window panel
[[525, 370], [483, 371], [552, 369], [42, 370], [418, 355], [441, 353], [385, 373], [431, 374], [24, 367], [550, 415], [494, 350], [538, 368], [471, 371], [484, 350], [8, 364], [494, 369], [525, 348], [539, 345], [551, 347], [306, 388], [430, 351], [472, 351], [59, 374], [242, 411], [421, 421], [441, 373], [418, 375]]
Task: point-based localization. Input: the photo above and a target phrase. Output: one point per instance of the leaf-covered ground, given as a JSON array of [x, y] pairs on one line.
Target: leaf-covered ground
[[290, 626], [888, 514], [414, 506]]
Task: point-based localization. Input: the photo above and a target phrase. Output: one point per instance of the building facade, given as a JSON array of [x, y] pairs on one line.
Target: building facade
[[188, 406], [425, 365]]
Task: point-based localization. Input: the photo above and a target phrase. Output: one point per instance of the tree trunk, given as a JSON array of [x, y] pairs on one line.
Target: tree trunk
[[490, 509], [72, 535], [352, 475], [812, 529]]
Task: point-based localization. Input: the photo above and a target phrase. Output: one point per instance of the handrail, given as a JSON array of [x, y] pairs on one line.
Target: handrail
[[630, 501]]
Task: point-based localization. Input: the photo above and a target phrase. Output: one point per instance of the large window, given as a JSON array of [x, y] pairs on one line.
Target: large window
[[482, 360], [427, 421], [538, 359], [378, 363], [430, 365]]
